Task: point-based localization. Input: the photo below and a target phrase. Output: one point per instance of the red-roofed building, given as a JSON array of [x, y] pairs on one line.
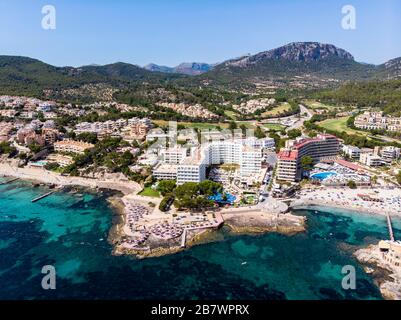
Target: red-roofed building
[[349, 165], [324, 146]]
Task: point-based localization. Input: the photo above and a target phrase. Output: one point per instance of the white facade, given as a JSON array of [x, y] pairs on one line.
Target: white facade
[[193, 168], [352, 152], [390, 153], [234, 152], [250, 161], [174, 155], [377, 121], [371, 160], [265, 143], [165, 172]]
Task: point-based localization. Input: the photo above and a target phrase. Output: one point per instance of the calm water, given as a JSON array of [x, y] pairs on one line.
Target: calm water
[[70, 232]]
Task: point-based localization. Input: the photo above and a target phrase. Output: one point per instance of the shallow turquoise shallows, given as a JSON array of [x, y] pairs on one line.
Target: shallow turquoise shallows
[[69, 231]]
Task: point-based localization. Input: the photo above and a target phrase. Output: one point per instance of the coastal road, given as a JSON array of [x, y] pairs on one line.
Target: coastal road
[[303, 111]]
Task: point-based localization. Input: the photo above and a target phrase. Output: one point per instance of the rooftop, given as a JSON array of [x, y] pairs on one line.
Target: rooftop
[[286, 154]]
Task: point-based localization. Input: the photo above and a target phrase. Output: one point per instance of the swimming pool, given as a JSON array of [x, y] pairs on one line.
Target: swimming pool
[[323, 175], [218, 197], [38, 163]]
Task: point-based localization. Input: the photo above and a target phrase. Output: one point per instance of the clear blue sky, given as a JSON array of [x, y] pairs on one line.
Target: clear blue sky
[[172, 31]]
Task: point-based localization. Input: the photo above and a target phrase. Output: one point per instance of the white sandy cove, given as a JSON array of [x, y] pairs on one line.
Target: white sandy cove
[[348, 199], [48, 177]]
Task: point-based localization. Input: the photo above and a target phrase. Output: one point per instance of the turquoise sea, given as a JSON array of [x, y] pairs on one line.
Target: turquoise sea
[[70, 232]]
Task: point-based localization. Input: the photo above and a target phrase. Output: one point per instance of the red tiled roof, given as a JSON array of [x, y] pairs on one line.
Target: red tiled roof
[[317, 139], [288, 155], [348, 164]]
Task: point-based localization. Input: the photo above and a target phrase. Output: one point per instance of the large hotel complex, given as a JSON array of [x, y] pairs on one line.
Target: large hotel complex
[[322, 147], [189, 165]]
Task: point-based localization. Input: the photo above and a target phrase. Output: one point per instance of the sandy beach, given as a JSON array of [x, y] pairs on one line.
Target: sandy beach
[[48, 177], [349, 199]]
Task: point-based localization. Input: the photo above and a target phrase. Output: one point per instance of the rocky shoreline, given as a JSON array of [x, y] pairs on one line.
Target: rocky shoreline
[[237, 224], [287, 224], [386, 276], [158, 248]]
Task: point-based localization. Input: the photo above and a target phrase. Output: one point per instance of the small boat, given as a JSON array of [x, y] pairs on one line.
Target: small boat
[[244, 263]]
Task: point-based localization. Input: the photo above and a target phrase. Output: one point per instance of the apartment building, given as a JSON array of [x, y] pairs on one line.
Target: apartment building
[[265, 143], [377, 121], [323, 147], [352, 152], [61, 160], [144, 121], [390, 153], [173, 155], [71, 146], [135, 131], [159, 134], [164, 171], [28, 136], [371, 159], [5, 129], [50, 135], [140, 124]]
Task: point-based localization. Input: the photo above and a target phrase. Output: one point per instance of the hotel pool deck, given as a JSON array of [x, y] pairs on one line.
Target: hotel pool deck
[[323, 175], [230, 199]]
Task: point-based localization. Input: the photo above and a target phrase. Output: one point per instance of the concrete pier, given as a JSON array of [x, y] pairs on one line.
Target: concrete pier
[[9, 181], [183, 238], [42, 196], [390, 227]]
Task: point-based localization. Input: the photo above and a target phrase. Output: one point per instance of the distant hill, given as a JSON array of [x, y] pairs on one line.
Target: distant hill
[[390, 69], [191, 68], [156, 68], [381, 94], [22, 75], [299, 65]]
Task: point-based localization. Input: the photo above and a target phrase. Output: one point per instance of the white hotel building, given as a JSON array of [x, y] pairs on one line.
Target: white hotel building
[[192, 168]]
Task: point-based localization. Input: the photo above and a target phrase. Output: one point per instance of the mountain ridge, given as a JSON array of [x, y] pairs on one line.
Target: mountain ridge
[[295, 51], [306, 62]]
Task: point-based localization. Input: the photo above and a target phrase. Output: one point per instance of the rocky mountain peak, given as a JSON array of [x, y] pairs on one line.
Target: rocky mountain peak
[[296, 51]]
